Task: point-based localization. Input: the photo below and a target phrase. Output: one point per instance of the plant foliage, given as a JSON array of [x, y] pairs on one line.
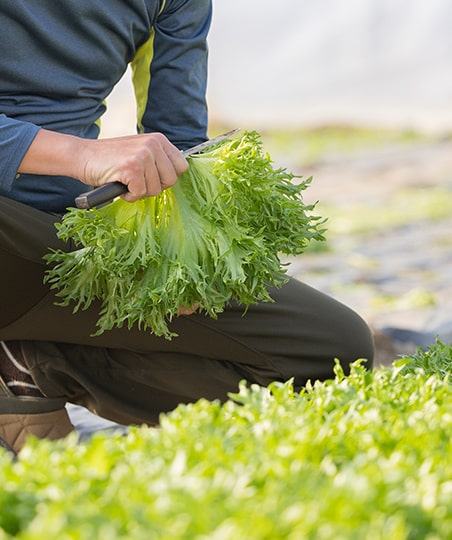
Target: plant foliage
[[215, 236], [363, 456]]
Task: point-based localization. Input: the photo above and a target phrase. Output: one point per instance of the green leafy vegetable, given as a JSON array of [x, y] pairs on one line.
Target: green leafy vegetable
[[363, 456], [215, 236]]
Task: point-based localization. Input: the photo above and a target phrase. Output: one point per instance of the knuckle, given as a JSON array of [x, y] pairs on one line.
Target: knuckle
[[157, 139]]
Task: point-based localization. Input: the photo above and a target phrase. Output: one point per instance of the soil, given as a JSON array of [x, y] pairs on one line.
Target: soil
[[399, 278]]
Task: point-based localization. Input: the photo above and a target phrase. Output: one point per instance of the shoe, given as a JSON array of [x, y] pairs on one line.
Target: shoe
[[7, 447], [22, 416]]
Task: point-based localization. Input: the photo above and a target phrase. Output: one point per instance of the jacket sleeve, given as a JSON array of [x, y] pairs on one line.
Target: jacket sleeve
[[175, 76], [15, 138]]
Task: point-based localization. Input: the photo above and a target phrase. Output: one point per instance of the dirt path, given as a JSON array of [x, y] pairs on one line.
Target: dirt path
[[397, 271]]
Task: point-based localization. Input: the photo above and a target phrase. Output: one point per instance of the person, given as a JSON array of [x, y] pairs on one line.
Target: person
[[59, 62]]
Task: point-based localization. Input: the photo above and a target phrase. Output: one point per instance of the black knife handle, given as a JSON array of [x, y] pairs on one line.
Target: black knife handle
[[100, 195]]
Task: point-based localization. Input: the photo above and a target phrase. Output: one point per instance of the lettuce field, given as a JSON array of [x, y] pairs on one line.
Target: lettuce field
[[365, 456]]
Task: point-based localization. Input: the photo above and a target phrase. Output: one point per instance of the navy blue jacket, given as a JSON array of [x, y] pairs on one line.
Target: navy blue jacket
[[60, 59]]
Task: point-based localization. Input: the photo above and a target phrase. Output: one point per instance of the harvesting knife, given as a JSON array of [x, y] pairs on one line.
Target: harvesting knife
[[106, 193]]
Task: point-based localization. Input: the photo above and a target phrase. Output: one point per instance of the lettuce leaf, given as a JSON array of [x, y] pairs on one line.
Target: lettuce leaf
[[214, 237]]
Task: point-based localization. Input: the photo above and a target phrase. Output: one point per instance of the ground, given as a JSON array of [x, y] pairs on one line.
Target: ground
[[388, 252]]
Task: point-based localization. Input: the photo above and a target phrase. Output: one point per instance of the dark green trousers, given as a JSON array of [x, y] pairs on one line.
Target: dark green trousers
[[131, 376]]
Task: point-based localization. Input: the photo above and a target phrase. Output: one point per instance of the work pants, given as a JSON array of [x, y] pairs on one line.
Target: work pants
[[131, 376]]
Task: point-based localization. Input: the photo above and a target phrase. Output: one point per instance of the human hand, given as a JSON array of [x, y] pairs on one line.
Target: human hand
[[187, 311], [147, 164]]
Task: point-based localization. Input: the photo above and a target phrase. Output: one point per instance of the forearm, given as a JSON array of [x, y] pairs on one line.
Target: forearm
[[54, 154]]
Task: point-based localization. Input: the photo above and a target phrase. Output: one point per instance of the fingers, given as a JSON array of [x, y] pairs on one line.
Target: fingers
[[175, 156], [146, 164], [159, 165], [187, 311]]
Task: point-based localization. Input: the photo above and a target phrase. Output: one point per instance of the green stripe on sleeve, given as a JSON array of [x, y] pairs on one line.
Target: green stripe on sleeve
[[141, 77]]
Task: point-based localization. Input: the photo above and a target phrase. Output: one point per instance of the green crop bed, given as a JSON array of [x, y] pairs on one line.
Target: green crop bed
[[364, 456]]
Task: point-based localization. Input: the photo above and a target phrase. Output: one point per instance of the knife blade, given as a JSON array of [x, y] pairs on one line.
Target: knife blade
[[106, 193]]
